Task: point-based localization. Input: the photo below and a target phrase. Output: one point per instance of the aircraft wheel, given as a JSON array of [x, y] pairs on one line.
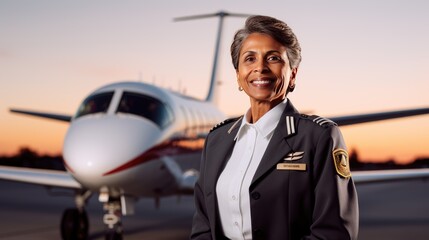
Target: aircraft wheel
[[74, 224], [113, 235]]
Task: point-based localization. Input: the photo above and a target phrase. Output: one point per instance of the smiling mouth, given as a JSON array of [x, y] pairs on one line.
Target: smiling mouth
[[262, 82]]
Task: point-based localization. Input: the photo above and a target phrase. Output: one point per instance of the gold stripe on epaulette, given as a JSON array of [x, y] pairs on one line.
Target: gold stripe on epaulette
[[322, 121], [233, 125]]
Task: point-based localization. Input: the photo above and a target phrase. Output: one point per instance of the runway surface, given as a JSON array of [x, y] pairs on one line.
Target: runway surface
[[392, 211]]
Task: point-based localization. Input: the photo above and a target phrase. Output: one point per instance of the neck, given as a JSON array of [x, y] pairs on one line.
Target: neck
[[259, 108]]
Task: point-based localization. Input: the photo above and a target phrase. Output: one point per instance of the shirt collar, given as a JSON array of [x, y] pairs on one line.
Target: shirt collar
[[266, 124]]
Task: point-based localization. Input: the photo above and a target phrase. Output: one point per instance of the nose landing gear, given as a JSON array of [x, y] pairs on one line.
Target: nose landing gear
[[112, 219], [115, 205], [75, 224]]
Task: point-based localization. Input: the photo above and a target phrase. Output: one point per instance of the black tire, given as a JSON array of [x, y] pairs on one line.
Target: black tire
[[74, 225], [113, 235]]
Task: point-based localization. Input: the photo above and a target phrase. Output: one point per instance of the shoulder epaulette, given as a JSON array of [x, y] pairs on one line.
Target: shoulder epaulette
[[224, 122], [321, 121]]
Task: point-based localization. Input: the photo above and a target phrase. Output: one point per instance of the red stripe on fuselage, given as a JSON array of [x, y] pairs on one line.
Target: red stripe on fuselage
[[67, 166], [169, 148]]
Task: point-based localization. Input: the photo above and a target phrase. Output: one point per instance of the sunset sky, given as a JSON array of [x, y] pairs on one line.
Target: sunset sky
[[358, 57]]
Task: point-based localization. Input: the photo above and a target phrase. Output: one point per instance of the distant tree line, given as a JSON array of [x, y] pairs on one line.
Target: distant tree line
[[357, 164], [31, 159]]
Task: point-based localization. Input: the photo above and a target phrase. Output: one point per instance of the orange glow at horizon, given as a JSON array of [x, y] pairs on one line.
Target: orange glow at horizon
[[402, 140], [40, 135]]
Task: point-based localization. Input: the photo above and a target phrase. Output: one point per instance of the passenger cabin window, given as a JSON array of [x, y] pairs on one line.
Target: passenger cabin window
[[98, 103], [147, 107]]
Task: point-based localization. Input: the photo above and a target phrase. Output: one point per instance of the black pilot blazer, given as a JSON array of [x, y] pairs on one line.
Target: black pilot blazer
[[287, 204]]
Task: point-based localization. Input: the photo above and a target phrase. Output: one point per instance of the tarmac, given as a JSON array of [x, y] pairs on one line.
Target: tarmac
[[394, 211]]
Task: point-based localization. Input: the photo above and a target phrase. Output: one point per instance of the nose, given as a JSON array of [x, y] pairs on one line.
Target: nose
[[95, 145], [260, 66]]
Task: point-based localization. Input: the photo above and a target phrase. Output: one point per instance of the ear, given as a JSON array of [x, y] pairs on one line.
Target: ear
[[293, 77]]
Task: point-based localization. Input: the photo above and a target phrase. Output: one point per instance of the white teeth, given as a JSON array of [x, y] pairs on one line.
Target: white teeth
[[261, 82]]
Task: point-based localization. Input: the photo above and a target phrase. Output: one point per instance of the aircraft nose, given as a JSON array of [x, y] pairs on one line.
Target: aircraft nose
[[94, 145]]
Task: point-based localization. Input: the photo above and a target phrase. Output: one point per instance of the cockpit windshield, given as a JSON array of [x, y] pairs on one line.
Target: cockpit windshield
[[98, 103], [147, 107]]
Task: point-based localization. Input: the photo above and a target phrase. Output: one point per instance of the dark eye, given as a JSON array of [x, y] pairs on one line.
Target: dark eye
[[274, 58], [249, 59]]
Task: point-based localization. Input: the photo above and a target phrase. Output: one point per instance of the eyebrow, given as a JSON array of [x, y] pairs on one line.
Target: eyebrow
[[269, 52]]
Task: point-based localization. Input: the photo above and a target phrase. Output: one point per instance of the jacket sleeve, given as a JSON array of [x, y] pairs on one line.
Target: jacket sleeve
[[200, 223], [335, 214]]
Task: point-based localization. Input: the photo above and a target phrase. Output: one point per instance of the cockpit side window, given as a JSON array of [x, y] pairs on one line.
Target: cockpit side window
[[98, 103], [145, 106]]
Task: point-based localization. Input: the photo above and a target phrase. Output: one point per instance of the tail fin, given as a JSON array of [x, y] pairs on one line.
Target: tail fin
[[213, 81]]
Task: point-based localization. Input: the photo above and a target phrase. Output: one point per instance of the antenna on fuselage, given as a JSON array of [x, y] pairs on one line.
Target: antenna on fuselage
[[221, 15]]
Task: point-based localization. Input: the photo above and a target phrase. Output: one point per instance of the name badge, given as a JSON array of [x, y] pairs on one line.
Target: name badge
[[292, 166]]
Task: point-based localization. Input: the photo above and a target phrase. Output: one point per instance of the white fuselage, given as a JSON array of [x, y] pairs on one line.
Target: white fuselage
[[121, 132]]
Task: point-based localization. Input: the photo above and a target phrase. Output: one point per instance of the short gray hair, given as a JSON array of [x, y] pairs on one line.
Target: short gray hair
[[274, 28]]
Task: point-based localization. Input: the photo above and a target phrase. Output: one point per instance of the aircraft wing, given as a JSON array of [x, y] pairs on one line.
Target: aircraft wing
[[60, 117], [371, 117], [361, 177], [50, 178]]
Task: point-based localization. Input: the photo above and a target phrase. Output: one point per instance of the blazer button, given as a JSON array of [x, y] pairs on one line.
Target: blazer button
[[258, 233], [256, 195]]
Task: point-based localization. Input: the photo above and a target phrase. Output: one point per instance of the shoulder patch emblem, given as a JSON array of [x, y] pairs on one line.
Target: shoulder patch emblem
[[341, 160]]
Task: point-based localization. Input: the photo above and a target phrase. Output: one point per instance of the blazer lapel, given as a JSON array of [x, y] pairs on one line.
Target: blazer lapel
[[219, 153], [279, 145], [220, 150]]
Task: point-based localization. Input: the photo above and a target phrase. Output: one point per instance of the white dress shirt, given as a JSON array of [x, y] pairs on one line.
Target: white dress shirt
[[232, 188]]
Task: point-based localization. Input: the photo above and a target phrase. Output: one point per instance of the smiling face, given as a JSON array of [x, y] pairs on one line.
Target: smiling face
[[263, 70]]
